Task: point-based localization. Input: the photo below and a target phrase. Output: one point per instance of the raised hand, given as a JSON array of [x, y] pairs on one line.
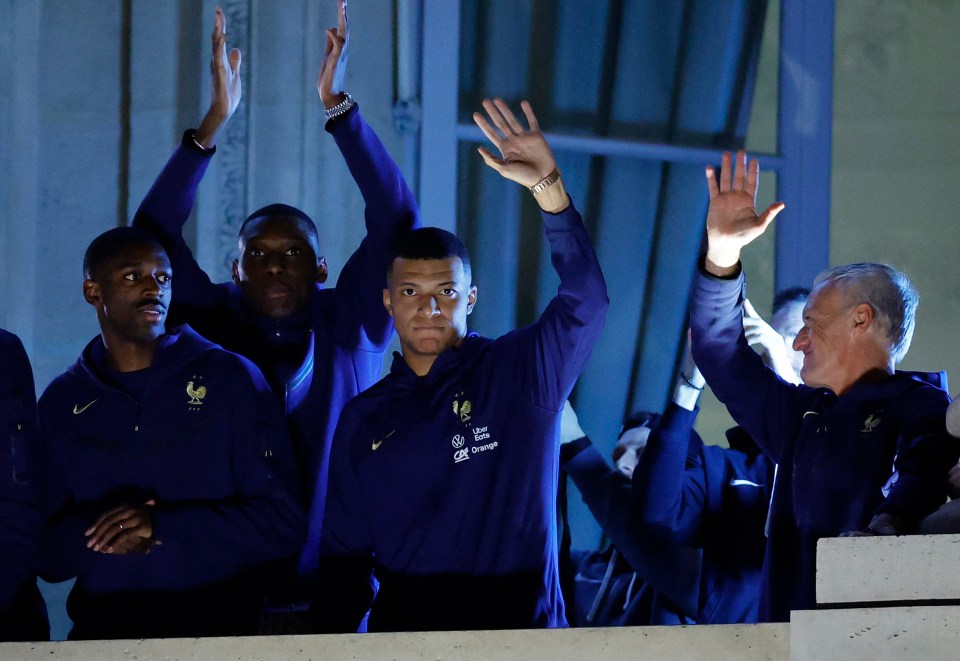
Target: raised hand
[[525, 156], [123, 529], [333, 69], [768, 343], [225, 86], [732, 220]]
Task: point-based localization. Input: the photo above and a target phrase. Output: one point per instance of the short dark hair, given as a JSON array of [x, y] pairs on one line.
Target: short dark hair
[[279, 210], [639, 419], [786, 296], [112, 243], [429, 243]]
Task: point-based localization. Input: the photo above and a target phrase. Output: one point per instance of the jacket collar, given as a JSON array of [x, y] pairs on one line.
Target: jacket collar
[[896, 384], [176, 346], [449, 361]]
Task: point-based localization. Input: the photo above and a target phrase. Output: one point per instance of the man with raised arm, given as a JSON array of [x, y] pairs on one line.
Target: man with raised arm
[[23, 615], [672, 495], [444, 475], [317, 347], [169, 471], [862, 448]]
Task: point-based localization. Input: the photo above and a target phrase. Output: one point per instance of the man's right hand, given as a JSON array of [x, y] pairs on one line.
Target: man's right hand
[[225, 86], [732, 219]]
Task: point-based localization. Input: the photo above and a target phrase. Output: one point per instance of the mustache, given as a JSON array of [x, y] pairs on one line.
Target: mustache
[[152, 301]]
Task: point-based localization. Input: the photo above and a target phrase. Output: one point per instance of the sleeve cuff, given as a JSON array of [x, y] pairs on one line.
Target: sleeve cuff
[[561, 220], [190, 141], [570, 450], [702, 267], [347, 118]]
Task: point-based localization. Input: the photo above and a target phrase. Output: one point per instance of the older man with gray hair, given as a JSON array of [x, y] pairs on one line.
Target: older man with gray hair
[[862, 448]]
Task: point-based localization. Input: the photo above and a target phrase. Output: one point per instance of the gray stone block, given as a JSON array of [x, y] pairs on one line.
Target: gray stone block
[[928, 633], [728, 642], [895, 569]]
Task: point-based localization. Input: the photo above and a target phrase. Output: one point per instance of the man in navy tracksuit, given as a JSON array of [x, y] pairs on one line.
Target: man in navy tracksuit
[[23, 615], [673, 494], [861, 448], [690, 494], [170, 475], [660, 583], [678, 495], [444, 474], [316, 347]]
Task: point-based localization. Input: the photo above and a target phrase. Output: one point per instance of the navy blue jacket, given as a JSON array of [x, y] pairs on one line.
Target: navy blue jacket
[[206, 440], [447, 483], [881, 447], [671, 572], [22, 614], [694, 495], [341, 339]]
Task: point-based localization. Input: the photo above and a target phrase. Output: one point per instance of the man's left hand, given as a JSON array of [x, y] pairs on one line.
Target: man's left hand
[[123, 529], [525, 155]]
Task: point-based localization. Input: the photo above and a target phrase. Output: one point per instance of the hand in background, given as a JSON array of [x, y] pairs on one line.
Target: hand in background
[[883, 525], [333, 69], [225, 85], [768, 343]]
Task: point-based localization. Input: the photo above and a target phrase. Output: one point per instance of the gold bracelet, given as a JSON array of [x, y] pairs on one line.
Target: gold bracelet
[[546, 182]]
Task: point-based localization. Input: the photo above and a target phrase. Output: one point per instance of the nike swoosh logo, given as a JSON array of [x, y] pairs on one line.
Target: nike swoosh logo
[[743, 483], [78, 411], [810, 413], [375, 444]]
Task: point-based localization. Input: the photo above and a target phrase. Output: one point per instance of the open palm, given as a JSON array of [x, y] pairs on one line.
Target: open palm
[[333, 68], [225, 85], [732, 219], [525, 156]]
